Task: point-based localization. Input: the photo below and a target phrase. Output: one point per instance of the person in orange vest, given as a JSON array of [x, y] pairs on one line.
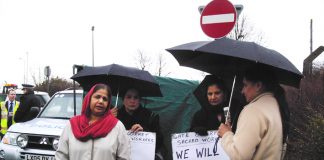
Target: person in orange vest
[[8, 110]]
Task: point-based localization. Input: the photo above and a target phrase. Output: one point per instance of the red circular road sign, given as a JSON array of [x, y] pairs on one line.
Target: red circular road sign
[[218, 18]]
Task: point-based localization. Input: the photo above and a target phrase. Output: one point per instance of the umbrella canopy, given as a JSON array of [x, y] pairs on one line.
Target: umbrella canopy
[[226, 57], [119, 78]]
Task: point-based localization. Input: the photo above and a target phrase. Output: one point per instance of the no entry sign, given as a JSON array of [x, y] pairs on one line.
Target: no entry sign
[[218, 18]]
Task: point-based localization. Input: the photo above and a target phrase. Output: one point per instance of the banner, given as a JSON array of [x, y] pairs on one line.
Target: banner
[[142, 145], [191, 146]]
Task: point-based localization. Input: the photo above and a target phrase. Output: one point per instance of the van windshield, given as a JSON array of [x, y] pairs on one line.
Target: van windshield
[[62, 106]]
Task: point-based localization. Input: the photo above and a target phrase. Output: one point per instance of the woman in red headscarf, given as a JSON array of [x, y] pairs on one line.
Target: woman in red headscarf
[[96, 133]]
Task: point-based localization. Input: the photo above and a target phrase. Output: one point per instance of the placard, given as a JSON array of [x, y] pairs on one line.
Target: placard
[[142, 145], [191, 146]]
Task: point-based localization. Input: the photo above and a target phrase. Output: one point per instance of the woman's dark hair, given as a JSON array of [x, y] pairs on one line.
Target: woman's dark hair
[[132, 88], [266, 76], [98, 87], [214, 80]]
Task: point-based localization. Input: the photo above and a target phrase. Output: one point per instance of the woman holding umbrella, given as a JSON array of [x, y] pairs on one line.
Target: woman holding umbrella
[[137, 118], [263, 123], [96, 133], [213, 97]]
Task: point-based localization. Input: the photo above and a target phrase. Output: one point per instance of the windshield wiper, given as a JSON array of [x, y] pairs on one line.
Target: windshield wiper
[[55, 117]]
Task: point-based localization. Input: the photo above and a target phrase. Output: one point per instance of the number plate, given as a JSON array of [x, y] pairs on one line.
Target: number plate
[[38, 157]]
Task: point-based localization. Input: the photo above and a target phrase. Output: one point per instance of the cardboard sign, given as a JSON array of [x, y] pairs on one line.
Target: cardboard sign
[[142, 145], [191, 146]]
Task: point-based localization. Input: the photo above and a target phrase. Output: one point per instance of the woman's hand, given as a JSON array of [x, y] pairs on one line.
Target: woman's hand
[[114, 111], [136, 128], [223, 128]]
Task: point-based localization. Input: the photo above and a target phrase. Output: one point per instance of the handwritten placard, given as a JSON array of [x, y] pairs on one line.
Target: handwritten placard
[[142, 145], [191, 146]]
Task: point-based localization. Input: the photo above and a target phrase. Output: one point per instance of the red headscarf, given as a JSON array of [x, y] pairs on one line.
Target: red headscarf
[[100, 128]]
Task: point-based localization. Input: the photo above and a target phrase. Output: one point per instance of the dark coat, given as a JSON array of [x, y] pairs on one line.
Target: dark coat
[[235, 110], [207, 118], [146, 118], [27, 101]]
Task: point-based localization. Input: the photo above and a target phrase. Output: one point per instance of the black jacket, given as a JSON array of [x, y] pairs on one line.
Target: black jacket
[[207, 117], [146, 118], [23, 113]]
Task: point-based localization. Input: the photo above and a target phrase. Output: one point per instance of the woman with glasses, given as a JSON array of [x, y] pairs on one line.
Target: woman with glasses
[[137, 118]]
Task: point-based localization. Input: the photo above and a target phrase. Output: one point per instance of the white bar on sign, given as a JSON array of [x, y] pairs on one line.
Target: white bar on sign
[[219, 18]]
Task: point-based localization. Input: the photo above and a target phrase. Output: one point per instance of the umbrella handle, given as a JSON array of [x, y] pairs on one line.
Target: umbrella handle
[[228, 116], [117, 99]]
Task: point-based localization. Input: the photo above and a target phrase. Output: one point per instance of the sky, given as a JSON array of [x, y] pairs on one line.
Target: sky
[[57, 33]]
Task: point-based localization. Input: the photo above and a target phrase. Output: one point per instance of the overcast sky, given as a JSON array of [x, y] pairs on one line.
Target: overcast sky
[[58, 32]]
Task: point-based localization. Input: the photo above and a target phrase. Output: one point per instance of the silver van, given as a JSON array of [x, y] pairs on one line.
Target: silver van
[[42, 96], [37, 139]]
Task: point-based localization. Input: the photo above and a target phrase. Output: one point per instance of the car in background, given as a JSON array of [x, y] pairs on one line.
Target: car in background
[[38, 138], [42, 96]]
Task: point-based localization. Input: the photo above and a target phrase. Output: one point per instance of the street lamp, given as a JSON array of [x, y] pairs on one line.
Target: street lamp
[[92, 29], [24, 69], [47, 73]]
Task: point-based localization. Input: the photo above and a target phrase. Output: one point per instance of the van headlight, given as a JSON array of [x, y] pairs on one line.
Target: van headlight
[[22, 141], [55, 143], [10, 138]]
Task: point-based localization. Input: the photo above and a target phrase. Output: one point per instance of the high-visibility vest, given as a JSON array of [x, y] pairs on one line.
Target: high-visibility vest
[[4, 116]]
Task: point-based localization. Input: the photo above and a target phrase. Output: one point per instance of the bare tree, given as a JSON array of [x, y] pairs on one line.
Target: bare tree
[[142, 60], [57, 84], [243, 31], [161, 65]]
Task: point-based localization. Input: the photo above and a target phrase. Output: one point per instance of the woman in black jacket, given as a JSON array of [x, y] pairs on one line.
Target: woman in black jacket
[[137, 118], [211, 115]]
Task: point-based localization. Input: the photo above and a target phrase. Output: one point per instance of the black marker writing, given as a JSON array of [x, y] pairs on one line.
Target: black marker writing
[[215, 146], [183, 154], [204, 152]]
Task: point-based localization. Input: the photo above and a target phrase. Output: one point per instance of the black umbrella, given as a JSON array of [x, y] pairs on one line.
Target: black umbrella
[[119, 78], [227, 58]]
